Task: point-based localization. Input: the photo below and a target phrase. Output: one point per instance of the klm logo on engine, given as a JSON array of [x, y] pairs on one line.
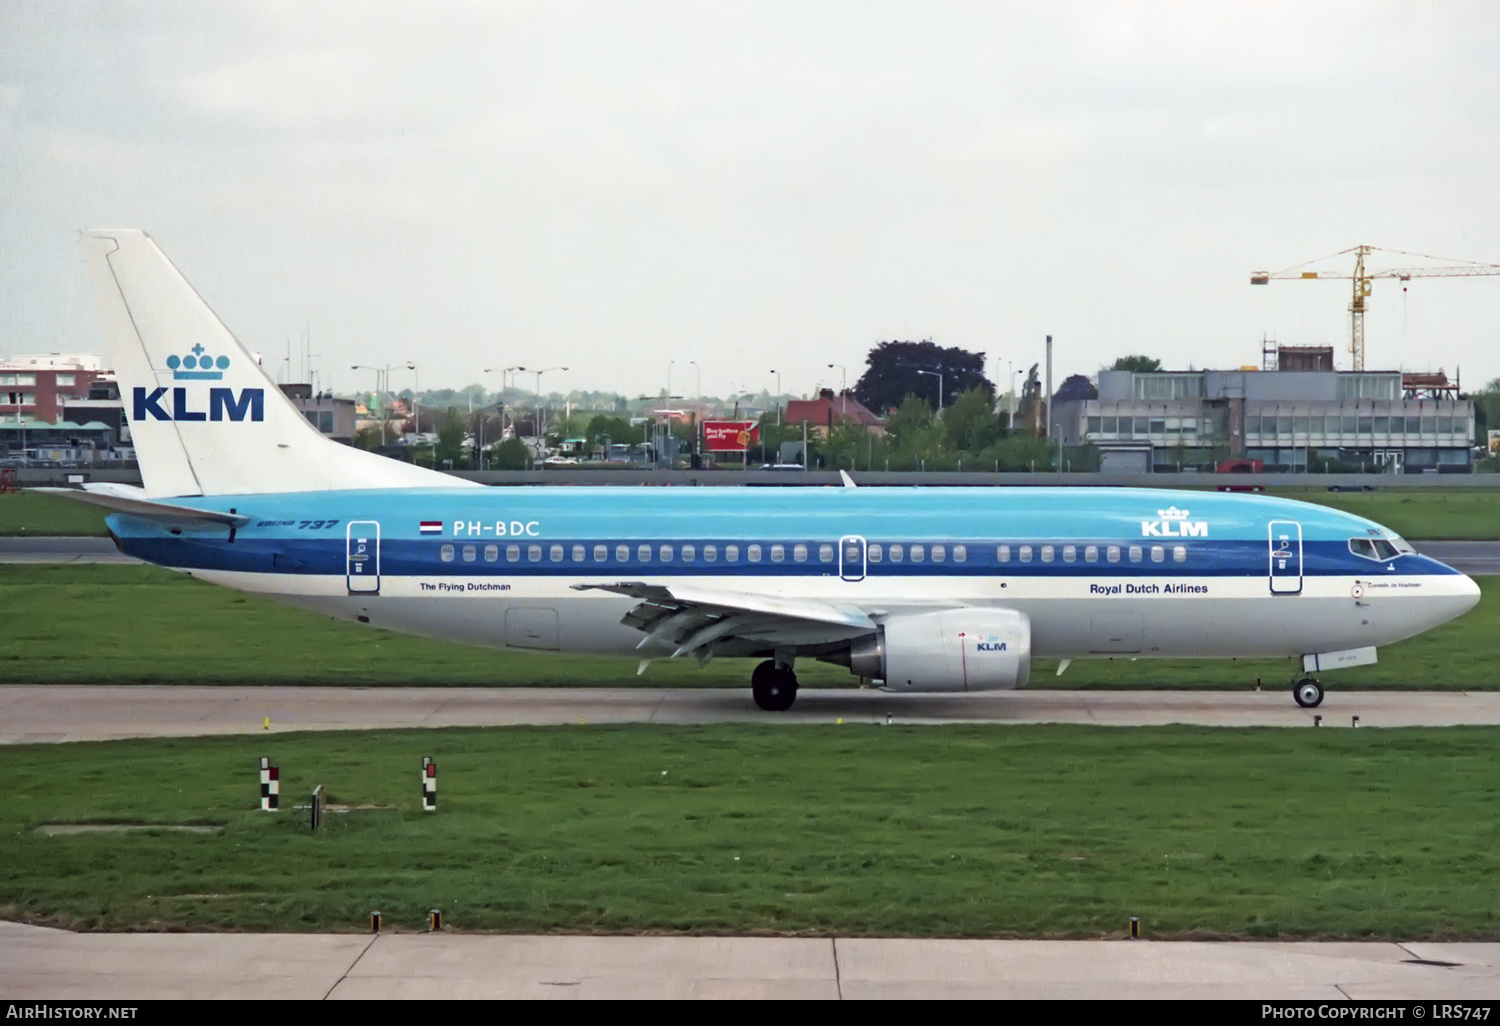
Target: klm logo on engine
[[1174, 523], [223, 404], [992, 646]]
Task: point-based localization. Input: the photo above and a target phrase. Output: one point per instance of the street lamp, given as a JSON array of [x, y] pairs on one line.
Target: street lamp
[[697, 380], [504, 373], [416, 403], [778, 395], [939, 376], [844, 387], [541, 432]]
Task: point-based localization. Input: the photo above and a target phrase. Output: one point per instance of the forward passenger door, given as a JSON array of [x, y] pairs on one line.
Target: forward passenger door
[[1285, 557]]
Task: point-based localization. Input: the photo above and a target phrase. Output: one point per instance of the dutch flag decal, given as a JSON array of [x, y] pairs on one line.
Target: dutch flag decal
[[432, 527]]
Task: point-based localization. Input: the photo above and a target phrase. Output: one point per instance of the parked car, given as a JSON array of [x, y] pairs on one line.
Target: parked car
[[1241, 467]]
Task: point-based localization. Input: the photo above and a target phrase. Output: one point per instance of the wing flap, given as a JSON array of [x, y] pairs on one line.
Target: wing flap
[[694, 619]]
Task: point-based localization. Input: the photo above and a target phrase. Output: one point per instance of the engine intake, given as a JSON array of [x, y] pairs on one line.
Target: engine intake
[[949, 650]]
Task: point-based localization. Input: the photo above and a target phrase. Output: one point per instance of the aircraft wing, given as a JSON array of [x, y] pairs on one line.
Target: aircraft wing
[[120, 498], [695, 620]]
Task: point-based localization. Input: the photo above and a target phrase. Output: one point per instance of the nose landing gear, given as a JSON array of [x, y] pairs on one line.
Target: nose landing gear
[[774, 686], [1308, 693]]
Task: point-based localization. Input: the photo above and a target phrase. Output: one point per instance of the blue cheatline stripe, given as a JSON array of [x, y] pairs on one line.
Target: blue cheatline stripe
[[423, 558]]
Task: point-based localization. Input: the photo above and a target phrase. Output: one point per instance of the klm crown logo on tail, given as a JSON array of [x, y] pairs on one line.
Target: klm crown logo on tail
[[223, 403], [197, 367]]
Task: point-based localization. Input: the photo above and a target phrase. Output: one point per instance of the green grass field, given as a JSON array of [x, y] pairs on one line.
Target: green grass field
[[142, 625], [1424, 514], [32, 513], [1037, 831]]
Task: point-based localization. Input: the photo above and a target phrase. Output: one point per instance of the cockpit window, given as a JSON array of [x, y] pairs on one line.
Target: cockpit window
[[1373, 548], [1402, 545]]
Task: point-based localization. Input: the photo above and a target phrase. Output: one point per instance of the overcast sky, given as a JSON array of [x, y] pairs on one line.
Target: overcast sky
[[613, 186]]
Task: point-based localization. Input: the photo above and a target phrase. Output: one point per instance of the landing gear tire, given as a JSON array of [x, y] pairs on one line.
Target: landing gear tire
[[1308, 693], [774, 687]]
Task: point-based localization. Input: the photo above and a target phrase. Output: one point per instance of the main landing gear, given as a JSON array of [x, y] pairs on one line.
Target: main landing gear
[[1308, 693], [774, 686]]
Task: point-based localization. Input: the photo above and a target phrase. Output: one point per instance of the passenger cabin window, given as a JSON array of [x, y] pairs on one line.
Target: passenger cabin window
[[1179, 553], [665, 552], [622, 553], [1025, 553], [752, 552], [512, 553], [825, 553], [601, 553], [960, 553], [1047, 553], [938, 554], [1135, 553], [533, 553], [643, 553], [898, 553], [1002, 554], [917, 554], [1112, 553], [1158, 553], [470, 552], [731, 553], [1070, 554], [689, 553], [799, 553], [557, 553], [446, 553], [578, 553], [778, 553], [491, 553], [1091, 553], [710, 553], [875, 552]]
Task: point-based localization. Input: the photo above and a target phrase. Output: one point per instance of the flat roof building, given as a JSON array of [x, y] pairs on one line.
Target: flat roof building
[[1289, 419], [39, 385]]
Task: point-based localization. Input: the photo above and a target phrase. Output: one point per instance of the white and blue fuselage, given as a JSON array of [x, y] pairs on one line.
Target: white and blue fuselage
[[1096, 571], [924, 589]]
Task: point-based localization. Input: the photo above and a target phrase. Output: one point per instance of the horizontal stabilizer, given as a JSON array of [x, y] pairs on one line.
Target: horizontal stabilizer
[[119, 498]]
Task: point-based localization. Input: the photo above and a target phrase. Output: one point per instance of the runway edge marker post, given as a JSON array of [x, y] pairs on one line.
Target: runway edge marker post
[[270, 785]]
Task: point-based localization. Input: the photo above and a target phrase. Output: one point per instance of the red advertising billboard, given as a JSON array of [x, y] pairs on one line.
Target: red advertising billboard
[[729, 435]]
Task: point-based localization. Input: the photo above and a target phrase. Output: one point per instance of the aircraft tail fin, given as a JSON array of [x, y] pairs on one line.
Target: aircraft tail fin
[[205, 418]]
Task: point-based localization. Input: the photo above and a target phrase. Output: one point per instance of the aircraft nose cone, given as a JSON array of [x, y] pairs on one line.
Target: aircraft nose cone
[[1469, 592]]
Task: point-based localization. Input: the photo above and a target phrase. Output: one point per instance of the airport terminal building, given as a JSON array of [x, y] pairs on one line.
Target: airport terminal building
[[1291, 419]]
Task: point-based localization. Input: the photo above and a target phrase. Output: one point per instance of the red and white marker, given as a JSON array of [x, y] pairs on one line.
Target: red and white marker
[[429, 784], [270, 785]]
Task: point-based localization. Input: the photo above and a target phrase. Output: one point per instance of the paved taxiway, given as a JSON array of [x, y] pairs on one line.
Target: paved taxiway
[[81, 713], [39, 963], [1470, 557], [61, 550]]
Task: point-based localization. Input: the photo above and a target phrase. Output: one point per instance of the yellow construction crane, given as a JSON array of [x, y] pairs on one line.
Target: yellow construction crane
[[1362, 280]]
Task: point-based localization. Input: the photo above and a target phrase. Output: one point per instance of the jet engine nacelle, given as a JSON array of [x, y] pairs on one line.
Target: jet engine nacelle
[[949, 650]]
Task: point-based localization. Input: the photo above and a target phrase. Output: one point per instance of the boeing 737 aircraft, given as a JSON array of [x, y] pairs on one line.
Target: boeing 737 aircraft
[[920, 589]]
